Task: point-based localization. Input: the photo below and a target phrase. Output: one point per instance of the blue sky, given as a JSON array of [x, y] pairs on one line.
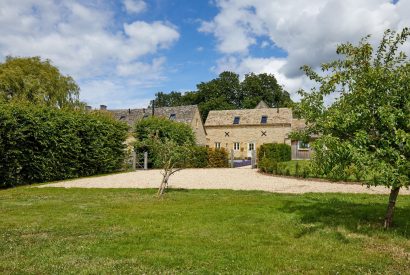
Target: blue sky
[[121, 52]]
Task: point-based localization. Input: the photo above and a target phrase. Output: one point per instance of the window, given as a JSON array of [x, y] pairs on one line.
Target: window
[[303, 145], [172, 116], [217, 145], [236, 145], [264, 119], [236, 120], [251, 146]]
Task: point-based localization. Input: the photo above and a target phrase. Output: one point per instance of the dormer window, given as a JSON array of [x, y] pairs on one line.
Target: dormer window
[[236, 120], [264, 119], [172, 116]]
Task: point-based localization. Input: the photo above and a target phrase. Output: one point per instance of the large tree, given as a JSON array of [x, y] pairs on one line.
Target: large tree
[[37, 81], [257, 87], [228, 92], [367, 128]]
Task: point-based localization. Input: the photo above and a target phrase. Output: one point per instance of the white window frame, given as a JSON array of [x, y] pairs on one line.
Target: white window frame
[[236, 146], [303, 148], [251, 144], [217, 145]]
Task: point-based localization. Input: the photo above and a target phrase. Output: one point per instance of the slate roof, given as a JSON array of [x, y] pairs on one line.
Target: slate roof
[[183, 114]]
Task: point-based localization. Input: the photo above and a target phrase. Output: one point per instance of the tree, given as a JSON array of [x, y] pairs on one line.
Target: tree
[[367, 128], [169, 145], [227, 92], [257, 87], [36, 81]]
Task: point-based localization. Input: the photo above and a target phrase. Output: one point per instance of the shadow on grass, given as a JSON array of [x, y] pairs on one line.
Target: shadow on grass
[[176, 190], [364, 218]]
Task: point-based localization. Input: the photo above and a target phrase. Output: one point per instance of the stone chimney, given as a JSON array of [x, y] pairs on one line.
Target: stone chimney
[[103, 107]]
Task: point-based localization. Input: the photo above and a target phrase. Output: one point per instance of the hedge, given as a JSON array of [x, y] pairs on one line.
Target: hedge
[[217, 158], [198, 157], [275, 151], [39, 144]]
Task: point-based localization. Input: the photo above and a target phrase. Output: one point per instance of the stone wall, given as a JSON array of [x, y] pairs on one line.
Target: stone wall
[[198, 128], [257, 134]]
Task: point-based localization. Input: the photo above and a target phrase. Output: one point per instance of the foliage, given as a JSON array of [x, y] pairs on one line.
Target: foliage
[[268, 165], [368, 125], [217, 158], [257, 87], [275, 151], [163, 129], [36, 81], [198, 157], [227, 92], [169, 144], [39, 143], [115, 228]]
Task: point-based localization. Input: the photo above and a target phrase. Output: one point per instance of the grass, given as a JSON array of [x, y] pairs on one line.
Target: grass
[[55, 230]]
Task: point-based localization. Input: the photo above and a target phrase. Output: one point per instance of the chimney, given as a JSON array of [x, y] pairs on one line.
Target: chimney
[[103, 107], [88, 108], [153, 107]]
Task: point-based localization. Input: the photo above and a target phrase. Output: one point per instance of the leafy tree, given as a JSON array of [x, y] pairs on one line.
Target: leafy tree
[[36, 81], [227, 92], [163, 129], [168, 143], [168, 100], [257, 87], [367, 128]]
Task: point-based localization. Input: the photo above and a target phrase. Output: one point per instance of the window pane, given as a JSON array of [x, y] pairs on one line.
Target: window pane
[[264, 119], [236, 120]]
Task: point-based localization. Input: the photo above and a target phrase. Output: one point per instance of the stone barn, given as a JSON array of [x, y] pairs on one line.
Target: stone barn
[[245, 130], [185, 114]]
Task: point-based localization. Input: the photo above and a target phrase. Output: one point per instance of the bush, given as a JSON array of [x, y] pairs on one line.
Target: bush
[[275, 151], [39, 144], [165, 130], [217, 158], [268, 166], [198, 157]]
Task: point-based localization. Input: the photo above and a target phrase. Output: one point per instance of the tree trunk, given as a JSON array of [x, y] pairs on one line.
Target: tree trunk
[[164, 184], [390, 208]]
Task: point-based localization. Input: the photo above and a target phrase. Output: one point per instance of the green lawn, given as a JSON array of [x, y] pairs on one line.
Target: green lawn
[[55, 230]]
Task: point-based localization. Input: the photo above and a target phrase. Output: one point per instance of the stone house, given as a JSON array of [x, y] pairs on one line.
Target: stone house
[[186, 114], [245, 130]]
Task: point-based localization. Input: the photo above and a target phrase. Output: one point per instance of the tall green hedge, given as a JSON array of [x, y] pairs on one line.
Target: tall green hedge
[[275, 152], [39, 144], [217, 158]]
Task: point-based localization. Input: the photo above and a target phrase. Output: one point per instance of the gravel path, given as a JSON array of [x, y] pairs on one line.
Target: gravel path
[[219, 178]]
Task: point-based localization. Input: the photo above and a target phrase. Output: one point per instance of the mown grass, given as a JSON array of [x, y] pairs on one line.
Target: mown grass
[[54, 230]]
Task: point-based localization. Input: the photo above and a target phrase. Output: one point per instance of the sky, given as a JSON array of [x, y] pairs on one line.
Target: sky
[[121, 52]]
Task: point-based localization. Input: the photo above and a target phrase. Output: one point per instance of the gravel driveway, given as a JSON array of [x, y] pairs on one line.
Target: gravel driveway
[[219, 178]]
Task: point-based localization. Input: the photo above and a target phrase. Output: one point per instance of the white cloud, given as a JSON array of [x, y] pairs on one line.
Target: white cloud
[[307, 31], [83, 40], [135, 6]]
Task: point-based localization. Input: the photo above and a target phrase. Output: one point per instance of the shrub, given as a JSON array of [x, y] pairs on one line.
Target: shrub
[[268, 166], [39, 144], [217, 158], [305, 172], [198, 157], [164, 130], [275, 151]]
